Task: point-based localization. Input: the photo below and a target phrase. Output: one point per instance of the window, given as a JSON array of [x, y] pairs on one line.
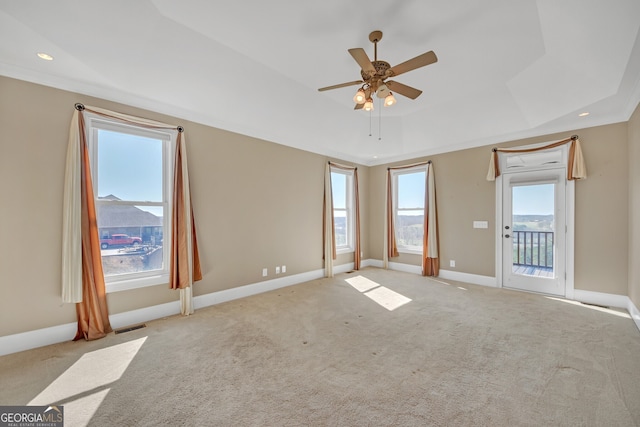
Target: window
[[131, 172], [342, 193], [408, 208]]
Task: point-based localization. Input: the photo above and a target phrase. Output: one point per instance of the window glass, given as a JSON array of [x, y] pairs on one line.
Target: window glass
[[409, 210], [341, 186], [129, 167]]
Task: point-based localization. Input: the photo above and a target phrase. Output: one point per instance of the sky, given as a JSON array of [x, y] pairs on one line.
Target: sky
[[338, 189], [533, 199], [411, 192], [130, 168]]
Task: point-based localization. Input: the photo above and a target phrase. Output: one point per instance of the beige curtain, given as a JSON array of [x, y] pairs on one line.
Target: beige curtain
[[391, 250], [430, 260], [576, 168], [329, 238], [82, 276], [328, 228], [356, 222], [185, 262]]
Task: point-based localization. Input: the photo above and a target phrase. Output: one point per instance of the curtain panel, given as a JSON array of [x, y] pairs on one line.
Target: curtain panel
[[328, 223], [430, 243], [185, 261], [328, 228], [430, 249], [576, 168], [82, 275]]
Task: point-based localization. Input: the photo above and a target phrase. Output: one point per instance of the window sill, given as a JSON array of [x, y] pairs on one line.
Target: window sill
[[410, 251], [135, 283], [344, 251]]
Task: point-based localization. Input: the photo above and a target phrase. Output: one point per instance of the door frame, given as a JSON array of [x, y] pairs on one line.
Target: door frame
[[569, 217]]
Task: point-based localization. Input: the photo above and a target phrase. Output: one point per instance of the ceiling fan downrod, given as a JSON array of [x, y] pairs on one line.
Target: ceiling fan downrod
[[374, 38]]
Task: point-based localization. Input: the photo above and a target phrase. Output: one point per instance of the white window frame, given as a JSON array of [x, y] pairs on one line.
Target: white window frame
[[349, 210], [394, 176], [94, 123]]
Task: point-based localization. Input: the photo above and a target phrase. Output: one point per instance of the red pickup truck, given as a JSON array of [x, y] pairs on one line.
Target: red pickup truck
[[119, 240]]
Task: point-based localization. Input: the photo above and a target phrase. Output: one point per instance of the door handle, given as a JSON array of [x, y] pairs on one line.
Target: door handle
[[507, 236]]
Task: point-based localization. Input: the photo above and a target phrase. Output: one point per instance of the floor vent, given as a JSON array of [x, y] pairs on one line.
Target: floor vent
[[129, 328]]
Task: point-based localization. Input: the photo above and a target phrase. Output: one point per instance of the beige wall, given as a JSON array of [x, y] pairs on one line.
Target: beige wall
[[634, 207], [464, 195], [257, 204]]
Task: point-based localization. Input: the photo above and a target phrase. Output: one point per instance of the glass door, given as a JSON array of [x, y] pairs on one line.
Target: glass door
[[534, 232]]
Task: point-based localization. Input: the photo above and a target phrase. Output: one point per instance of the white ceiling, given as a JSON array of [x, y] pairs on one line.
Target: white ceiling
[[506, 70]]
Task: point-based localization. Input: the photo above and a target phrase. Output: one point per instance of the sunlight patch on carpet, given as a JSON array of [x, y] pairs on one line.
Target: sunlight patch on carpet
[[382, 295], [362, 284], [387, 298], [84, 385]]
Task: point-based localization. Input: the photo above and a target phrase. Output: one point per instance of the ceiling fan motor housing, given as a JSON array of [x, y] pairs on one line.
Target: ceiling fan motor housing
[[380, 75]]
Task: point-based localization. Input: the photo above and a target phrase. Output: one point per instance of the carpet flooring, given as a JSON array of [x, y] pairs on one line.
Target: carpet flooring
[[367, 348]]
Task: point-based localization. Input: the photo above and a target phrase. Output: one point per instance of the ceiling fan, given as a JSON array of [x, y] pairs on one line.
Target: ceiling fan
[[375, 74]]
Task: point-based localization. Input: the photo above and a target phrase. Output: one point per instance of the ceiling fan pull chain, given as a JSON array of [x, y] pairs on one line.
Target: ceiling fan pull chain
[[379, 123], [369, 122]]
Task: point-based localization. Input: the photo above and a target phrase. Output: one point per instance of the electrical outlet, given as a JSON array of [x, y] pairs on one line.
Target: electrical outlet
[[264, 272], [284, 269], [452, 263], [277, 269]]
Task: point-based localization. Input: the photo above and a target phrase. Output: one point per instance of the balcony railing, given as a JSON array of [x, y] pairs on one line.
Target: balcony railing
[[533, 248]]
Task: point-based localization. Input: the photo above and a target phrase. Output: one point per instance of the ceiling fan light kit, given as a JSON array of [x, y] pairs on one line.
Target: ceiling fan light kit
[[389, 100], [368, 106], [375, 74]]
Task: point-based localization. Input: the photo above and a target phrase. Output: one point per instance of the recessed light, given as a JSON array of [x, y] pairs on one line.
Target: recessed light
[[45, 56], [586, 113]]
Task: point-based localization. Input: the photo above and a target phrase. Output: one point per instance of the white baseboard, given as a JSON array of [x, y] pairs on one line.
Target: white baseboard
[[634, 312], [142, 315], [372, 263], [255, 288], [474, 279], [61, 333], [609, 300], [600, 298], [406, 268], [37, 338]]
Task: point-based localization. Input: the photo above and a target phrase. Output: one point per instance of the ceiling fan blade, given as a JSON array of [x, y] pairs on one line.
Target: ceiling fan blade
[[362, 59], [404, 90], [417, 62], [359, 106], [353, 83]]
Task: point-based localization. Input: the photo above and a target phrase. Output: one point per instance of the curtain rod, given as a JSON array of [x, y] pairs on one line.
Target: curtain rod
[[572, 138], [342, 166], [80, 107], [428, 162]]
